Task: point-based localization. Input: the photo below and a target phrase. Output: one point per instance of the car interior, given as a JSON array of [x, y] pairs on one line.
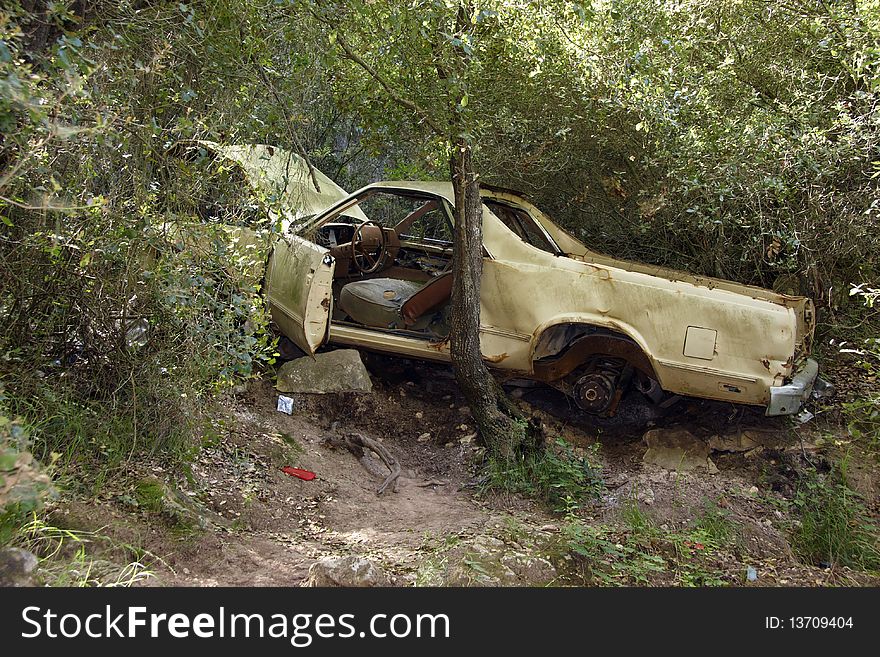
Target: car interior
[[393, 271]]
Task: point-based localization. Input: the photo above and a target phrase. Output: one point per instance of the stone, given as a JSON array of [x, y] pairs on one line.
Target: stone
[[186, 512], [531, 570], [738, 442], [676, 449], [347, 571], [331, 371], [489, 561], [17, 567], [646, 495], [769, 439]]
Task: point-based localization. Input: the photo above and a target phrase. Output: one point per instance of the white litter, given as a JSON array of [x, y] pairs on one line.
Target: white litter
[[285, 404]]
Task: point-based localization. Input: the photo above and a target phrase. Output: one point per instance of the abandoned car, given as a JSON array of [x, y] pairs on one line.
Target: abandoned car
[[372, 270]]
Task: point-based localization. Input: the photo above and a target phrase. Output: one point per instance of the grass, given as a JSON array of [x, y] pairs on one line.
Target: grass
[[435, 560], [834, 527], [643, 553], [715, 524], [65, 559], [557, 475]]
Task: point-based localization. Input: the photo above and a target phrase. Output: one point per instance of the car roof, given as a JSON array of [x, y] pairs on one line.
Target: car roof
[[443, 189]]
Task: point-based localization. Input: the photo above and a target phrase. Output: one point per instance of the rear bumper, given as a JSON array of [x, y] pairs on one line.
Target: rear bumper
[[788, 399]]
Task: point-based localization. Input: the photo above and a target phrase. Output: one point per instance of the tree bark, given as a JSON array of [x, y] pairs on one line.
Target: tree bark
[[502, 428]]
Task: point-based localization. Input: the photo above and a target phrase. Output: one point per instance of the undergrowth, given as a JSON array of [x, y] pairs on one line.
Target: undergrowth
[[645, 553], [66, 557], [558, 475], [834, 526]]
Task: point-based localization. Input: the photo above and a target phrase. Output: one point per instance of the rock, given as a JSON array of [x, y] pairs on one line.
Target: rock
[[738, 442], [489, 561], [769, 439], [531, 571], [17, 567], [185, 512], [676, 449], [332, 371], [474, 573], [349, 571]]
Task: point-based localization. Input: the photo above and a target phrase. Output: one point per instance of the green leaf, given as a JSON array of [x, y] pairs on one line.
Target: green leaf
[[8, 459]]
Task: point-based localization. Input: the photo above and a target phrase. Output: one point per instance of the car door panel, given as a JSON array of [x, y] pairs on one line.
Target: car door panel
[[299, 287]]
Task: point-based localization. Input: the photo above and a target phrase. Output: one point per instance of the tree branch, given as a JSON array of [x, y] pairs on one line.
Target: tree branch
[[373, 73], [297, 144]]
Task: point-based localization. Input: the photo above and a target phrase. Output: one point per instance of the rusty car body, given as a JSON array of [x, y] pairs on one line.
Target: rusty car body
[[372, 270]]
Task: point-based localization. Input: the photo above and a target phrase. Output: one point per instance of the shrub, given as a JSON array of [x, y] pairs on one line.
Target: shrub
[[24, 485], [557, 475], [834, 526]]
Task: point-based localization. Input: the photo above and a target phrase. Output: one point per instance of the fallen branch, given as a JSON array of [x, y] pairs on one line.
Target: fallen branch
[[356, 444]]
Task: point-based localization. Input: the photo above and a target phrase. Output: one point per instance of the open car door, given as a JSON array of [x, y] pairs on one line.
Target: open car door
[[299, 285]]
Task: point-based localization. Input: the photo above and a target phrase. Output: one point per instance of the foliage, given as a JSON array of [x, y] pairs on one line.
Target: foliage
[[862, 412], [24, 485], [834, 526], [66, 557], [116, 335], [558, 475], [647, 554], [734, 139]]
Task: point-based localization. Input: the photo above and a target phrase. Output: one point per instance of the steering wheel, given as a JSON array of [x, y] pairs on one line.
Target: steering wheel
[[364, 261]]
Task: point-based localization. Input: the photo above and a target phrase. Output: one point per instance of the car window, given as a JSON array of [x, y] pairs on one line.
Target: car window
[[522, 225], [414, 216], [427, 222]]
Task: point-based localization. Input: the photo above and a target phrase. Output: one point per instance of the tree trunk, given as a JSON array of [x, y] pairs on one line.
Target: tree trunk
[[502, 428]]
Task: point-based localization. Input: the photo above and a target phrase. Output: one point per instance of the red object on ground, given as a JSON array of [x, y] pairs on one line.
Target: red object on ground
[[305, 475]]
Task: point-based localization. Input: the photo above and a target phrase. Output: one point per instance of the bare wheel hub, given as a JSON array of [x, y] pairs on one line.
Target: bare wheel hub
[[595, 392]]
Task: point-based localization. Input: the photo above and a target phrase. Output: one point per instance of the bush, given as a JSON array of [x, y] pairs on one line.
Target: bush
[[24, 486], [834, 526], [115, 335], [557, 475]]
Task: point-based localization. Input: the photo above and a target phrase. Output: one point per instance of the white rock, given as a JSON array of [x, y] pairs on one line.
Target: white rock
[[349, 571]]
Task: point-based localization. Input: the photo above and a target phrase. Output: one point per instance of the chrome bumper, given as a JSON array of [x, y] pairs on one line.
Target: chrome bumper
[[787, 399]]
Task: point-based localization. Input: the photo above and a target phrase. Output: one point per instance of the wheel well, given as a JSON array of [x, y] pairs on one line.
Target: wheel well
[[563, 348]]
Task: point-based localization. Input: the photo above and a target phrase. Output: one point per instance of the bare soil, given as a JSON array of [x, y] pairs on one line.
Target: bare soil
[[249, 523]]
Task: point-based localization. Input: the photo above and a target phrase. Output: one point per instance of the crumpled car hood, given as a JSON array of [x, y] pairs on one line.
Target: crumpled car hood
[[284, 177]]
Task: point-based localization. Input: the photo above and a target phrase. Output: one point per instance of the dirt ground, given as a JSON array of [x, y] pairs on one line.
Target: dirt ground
[[236, 519]]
